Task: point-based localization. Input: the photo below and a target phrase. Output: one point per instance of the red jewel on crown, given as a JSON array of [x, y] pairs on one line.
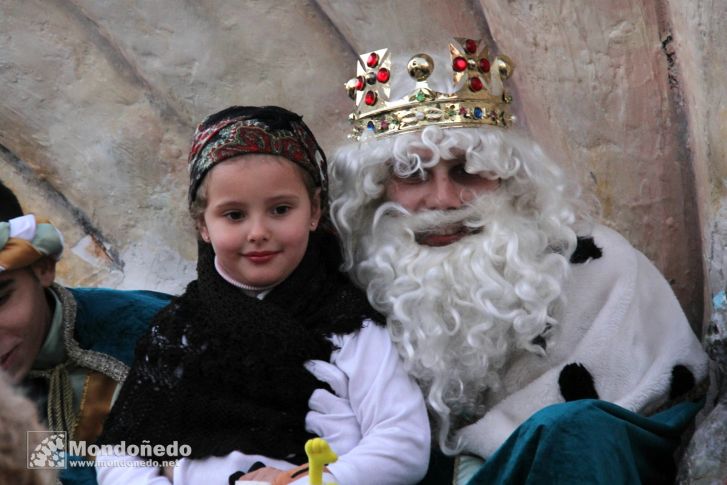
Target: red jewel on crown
[[470, 46], [370, 98], [373, 60], [459, 64], [484, 65], [383, 75], [475, 84]]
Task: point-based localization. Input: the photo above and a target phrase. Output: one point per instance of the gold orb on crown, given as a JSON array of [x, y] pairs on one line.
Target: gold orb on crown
[[420, 66]]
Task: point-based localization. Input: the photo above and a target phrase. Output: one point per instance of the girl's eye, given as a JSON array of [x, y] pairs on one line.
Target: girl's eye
[[234, 215], [280, 210]]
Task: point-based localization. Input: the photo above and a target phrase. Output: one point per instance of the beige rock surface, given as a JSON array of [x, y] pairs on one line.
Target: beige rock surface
[[594, 83], [99, 100]]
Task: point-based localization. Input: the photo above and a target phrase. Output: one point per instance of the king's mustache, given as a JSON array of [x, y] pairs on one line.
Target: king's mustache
[[435, 221]]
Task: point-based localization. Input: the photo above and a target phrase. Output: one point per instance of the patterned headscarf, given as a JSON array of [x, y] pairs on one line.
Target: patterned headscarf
[[24, 240], [241, 130]]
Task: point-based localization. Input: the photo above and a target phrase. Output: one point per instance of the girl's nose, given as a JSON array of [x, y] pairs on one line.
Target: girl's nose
[[258, 231]]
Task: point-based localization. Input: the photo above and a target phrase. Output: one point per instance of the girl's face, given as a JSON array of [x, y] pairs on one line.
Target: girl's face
[[258, 217]]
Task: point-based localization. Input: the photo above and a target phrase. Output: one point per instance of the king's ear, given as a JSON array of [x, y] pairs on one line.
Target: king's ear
[[44, 270]]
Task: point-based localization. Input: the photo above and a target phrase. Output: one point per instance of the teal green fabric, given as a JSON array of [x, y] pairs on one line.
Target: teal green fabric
[[590, 441], [4, 233], [47, 240], [52, 353], [107, 321], [80, 474], [111, 321]]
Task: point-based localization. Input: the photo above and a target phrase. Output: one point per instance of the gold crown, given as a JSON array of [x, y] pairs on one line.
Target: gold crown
[[479, 100]]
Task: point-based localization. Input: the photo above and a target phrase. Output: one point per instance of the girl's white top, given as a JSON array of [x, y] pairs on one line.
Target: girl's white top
[[377, 424]]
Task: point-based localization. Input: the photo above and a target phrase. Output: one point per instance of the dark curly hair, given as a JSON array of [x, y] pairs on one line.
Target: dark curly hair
[[9, 205]]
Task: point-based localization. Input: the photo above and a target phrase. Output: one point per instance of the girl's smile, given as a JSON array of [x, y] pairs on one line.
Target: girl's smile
[[261, 257]]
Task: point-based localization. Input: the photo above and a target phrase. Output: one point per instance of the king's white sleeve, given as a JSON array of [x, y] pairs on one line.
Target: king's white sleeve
[[390, 409]]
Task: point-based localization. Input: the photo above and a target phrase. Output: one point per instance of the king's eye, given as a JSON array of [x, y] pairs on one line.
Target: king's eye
[[459, 173], [415, 177]]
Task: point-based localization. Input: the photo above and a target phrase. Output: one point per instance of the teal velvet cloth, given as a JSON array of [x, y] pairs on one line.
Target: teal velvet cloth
[[111, 321], [590, 441], [80, 474]]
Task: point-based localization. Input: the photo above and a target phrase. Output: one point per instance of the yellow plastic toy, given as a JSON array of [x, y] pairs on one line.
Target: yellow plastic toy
[[319, 455]]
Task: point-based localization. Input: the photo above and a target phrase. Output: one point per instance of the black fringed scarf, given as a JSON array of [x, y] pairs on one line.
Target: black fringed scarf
[[221, 371]]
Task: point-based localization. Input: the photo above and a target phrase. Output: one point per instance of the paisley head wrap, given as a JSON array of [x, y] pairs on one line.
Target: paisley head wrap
[[242, 130], [24, 240]]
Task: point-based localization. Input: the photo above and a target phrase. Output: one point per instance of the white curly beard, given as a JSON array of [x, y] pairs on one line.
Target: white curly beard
[[456, 312]]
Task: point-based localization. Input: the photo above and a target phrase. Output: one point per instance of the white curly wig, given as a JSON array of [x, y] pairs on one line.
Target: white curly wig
[[458, 312]]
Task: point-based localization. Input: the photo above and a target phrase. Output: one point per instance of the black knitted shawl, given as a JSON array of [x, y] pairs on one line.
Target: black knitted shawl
[[221, 371]]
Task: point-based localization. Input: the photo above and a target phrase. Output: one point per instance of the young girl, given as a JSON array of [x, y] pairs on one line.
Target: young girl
[[224, 368]]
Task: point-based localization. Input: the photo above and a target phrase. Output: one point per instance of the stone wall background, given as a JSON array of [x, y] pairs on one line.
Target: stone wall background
[[98, 101]]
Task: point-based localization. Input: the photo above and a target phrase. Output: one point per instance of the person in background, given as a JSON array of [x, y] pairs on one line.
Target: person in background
[[68, 347]]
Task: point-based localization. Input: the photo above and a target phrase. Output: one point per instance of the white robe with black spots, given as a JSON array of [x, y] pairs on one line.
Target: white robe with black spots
[[622, 322]]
